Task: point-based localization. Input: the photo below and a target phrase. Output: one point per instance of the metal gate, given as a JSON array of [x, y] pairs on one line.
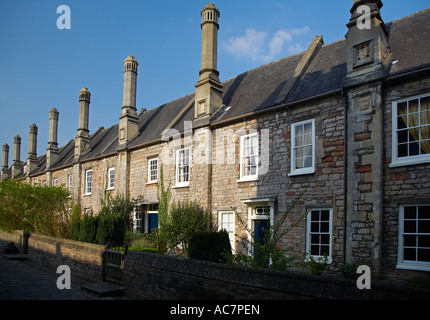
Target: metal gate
[[114, 271]]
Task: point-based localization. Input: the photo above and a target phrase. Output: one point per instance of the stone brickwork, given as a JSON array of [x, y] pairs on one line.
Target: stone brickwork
[[403, 184], [352, 176], [364, 169], [84, 259], [162, 277], [99, 182], [324, 188]]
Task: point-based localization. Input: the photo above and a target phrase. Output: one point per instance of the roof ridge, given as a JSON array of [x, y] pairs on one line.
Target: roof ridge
[[410, 16]]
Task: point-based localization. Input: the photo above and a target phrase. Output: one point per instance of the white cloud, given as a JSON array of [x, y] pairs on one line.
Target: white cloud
[[256, 46], [296, 48]]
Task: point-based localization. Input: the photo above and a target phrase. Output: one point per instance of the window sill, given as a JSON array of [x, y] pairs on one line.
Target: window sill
[[301, 172], [87, 194], [110, 188], [181, 186], [413, 266], [248, 179], [409, 162], [151, 183]]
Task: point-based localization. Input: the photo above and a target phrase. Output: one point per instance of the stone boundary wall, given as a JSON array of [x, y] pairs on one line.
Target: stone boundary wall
[[8, 237], [84, 259], [163, 277]]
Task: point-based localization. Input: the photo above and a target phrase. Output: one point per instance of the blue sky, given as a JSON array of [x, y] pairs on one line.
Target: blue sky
[[42, 67]]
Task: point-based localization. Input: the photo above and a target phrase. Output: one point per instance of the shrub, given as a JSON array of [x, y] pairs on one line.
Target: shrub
[[143, 249], [38, 209], [183, 220], [76, 226], [110, 229], [88, 229], [349, 270], [76, 215], [316, 265], [209, 246]]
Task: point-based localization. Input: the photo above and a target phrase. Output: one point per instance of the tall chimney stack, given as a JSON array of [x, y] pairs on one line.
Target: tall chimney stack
[[128, 122], [368, 53], [32, 149], [52, 151], [16, 165], [83, 138], [5, 162], [208, 95]]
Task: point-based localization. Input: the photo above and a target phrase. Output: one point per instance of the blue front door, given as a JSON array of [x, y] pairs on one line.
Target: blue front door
[[152, 221], [259, 227]]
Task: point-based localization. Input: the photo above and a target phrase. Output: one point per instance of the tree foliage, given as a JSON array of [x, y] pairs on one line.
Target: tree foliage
[[184, 218], [110, 225], [210, 246], [40, 209]]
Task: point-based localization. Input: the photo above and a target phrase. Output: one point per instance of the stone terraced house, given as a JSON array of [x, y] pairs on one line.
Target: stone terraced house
[[348, 123]]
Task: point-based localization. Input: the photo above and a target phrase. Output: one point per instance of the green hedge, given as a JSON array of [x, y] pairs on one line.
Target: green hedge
[[101, 229], [210, 246]]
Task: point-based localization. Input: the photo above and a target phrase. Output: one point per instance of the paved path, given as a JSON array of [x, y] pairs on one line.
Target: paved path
[[23, 280]]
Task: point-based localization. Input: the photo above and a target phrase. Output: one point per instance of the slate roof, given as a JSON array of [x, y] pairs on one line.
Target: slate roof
[[261, 88], [409, 42]]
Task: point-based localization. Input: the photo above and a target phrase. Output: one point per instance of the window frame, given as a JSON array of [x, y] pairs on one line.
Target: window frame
[[409, 264], [249, 177], [221, 214], [307, 170], [177, 168], [151, 181], [88, 184], [70, 182], [309, 233], [111, 182], [409, 160]]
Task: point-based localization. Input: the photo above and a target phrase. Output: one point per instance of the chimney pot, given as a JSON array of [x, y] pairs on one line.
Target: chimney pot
[[128, 121], [208, 95], [16, 165], [83, 137], [32, 148], [52, 151], [5, 162]]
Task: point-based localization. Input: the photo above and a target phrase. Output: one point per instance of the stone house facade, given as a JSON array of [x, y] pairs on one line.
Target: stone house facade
[[347, 124]]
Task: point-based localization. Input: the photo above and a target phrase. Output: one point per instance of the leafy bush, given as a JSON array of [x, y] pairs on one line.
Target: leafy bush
[[38, 209], [209, 246], [183, 220], [316, 265], [143, 249], [76, 228], [349, 270], [111, 229], [88, 229]]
